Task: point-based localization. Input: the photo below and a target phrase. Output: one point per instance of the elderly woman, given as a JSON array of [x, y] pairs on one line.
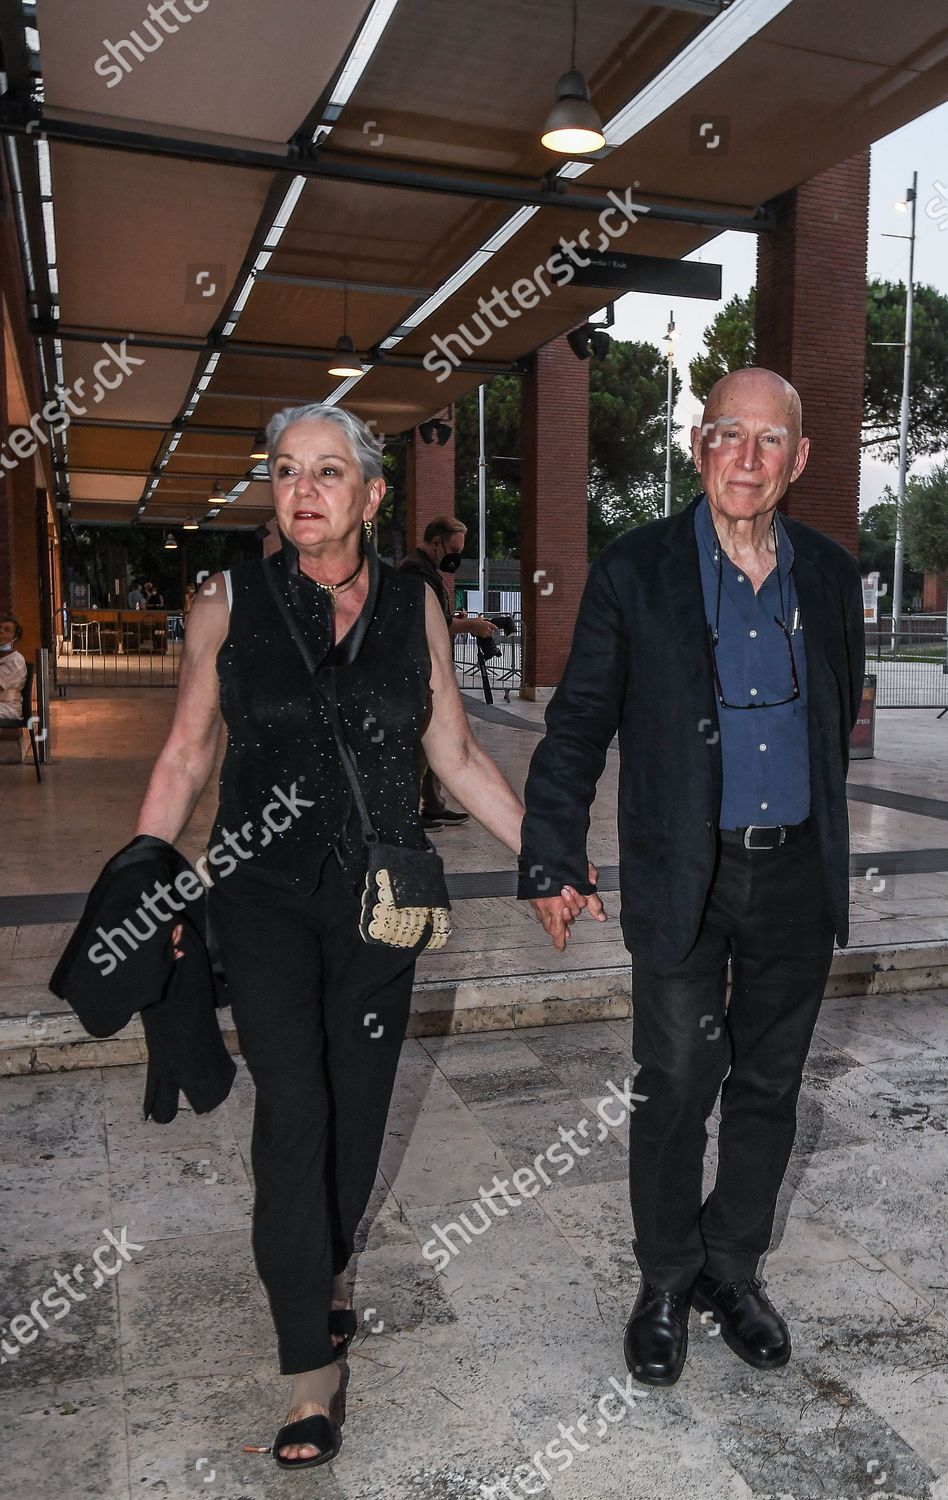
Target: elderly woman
[[320, 1013]]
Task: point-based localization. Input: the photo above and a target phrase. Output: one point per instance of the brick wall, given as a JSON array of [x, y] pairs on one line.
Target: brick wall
[[811, 316], [20, 509], [935, 593], [430, 486], [554, 449]]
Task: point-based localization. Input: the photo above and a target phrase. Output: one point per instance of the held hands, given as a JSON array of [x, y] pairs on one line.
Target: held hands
[[556, 913]]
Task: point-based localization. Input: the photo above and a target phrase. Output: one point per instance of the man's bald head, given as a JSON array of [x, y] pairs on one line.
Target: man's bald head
[[749, 447], [728, 394]]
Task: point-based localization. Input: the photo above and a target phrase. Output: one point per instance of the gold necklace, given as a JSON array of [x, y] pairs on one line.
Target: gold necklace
[[332, 589]]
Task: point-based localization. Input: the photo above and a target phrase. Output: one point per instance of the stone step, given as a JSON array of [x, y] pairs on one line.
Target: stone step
[[41, 1042]]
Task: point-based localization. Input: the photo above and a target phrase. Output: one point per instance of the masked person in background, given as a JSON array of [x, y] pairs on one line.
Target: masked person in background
[[436, 560], [12, 669]]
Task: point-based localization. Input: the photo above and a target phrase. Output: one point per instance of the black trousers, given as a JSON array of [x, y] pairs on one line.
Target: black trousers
[[320, 1018], [767, 913]]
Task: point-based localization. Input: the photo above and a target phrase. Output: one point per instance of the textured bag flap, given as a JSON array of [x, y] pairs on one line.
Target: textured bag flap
[[416, 875]]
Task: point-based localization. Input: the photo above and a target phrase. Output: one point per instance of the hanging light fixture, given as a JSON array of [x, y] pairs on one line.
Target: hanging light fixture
[[170, 543], [573, 127], [218, 494], [345, 365], [259, 452], [191, 525]]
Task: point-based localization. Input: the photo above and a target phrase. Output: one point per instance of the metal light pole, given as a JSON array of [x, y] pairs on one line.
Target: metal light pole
[[481, 501], [669, 337], [904, 423]]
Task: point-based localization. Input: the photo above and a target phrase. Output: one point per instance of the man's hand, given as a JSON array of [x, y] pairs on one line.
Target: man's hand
[[479, 626], [556, 913]]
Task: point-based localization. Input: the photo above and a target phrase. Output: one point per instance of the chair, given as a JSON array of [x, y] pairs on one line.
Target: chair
[[86, 631], [27, 720]]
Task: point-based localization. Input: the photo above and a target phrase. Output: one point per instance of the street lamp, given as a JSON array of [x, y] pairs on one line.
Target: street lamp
[[908, 206], [670, 337]]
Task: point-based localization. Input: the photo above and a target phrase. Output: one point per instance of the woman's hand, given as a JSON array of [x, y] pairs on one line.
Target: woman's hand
[[557, 913], [177, 933]]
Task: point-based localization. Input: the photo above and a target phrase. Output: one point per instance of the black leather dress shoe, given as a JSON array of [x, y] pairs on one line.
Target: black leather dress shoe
[[750, 1324], [656, 1336]]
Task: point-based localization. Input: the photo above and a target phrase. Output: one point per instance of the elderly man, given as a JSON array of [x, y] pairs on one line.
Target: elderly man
[[725, 646]]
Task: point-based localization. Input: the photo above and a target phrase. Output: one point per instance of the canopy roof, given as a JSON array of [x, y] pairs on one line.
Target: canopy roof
[[231, 188]]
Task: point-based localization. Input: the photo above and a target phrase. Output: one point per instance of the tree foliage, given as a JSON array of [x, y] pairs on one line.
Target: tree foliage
[[926, 521], [877, 550], [627, 393], [729, 339], [928, 389]]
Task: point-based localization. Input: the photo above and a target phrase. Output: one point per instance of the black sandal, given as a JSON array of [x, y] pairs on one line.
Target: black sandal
[[318, 1431], [343, 1324]]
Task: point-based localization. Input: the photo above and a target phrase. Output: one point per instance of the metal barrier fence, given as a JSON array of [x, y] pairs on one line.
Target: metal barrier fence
[[503, 671], [911, 670], [144, 664]]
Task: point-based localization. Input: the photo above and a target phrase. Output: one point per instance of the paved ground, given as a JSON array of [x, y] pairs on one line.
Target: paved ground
[[150, 1385]]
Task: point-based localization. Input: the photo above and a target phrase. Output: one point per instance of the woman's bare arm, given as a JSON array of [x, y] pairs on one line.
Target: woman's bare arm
[[187, 757], [452, 751]]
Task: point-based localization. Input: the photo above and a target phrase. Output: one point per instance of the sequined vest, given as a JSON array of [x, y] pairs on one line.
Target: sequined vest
[[284, 798]]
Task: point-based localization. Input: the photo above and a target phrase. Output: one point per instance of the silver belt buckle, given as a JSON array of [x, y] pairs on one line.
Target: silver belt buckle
[[753, 827]]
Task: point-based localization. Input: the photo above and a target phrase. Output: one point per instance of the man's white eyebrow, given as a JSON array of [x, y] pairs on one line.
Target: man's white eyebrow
[[742, 422]]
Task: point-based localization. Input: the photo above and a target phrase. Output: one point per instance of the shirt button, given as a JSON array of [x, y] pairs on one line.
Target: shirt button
[[753, 635], [763, 807], [753, 692], [740, 577], [762, 747]]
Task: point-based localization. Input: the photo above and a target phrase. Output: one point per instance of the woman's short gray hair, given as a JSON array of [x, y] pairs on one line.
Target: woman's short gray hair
[[366, 447]]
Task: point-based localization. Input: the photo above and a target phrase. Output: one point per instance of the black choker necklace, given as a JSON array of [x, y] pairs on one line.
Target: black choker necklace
[[332, 589]]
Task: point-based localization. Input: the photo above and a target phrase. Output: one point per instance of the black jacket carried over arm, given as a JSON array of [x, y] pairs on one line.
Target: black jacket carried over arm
[[640, 667], [106, 982]]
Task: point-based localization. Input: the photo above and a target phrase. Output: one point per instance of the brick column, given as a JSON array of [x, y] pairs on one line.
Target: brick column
[[6, 501], [811, 328], [554, 448], [429, 475]]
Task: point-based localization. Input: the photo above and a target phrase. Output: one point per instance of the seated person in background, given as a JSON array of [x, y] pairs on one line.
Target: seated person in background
[[12, 669], [153, 599], [136, 599]]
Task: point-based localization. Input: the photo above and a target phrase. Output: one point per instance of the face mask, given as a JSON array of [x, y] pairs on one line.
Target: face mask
[[450, 562]]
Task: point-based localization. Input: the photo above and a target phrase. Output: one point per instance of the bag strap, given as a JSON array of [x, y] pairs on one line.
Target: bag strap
[[369, 834]]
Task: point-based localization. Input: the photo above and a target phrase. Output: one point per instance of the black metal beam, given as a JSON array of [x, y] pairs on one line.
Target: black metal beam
[[709, 8], [521, 192], [189, 344]]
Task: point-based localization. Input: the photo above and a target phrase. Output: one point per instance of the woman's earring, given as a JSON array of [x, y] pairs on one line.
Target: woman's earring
[[368, 529]]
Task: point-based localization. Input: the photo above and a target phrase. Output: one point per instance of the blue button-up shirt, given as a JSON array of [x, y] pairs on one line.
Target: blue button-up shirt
[[764, 751]]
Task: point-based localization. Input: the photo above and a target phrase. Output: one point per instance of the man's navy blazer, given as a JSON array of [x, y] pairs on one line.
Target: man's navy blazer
[[640, 666]]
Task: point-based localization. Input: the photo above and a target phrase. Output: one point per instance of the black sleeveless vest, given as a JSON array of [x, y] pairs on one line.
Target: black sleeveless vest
[[284, 797]]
